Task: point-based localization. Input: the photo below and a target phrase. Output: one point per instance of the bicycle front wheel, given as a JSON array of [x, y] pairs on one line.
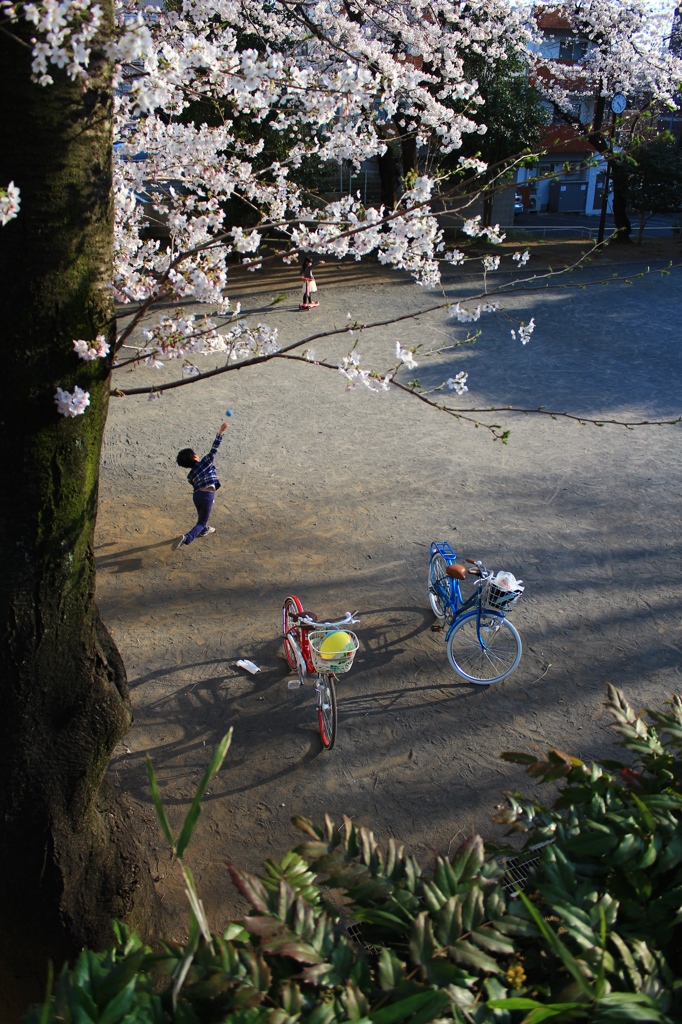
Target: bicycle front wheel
[[487, 654], [437, 578], [327, 715], [291, 608]]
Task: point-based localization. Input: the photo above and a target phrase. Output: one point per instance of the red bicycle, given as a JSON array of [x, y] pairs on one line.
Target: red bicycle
[[324, 649]]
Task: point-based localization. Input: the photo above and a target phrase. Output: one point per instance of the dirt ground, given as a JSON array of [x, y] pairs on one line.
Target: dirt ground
[[335, 496]]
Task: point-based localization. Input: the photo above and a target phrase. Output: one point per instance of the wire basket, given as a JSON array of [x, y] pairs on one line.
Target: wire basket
[[499, 599], [338, 662]]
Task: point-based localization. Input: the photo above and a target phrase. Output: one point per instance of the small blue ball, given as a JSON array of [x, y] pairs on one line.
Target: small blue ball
[[228, 412]]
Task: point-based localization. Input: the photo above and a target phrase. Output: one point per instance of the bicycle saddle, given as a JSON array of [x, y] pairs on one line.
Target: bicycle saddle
[[456, 572]]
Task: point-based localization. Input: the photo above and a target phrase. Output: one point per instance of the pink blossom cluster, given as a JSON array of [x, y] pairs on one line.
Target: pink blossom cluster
[[72, 403], [10, 200], [90, 352]]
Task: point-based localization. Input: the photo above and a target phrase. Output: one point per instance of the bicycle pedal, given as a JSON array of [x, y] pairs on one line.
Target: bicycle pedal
[[294, 684]]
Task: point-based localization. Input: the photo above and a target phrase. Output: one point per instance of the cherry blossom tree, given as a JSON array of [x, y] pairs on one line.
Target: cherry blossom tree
[[337, 80], [629, 50]]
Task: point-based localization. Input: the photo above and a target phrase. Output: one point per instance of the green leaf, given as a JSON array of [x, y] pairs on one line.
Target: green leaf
[[557, 946], [121, 974], [492, 941], [546, 1012], [518, 757], [647, 817], [158, 805], [422, 942], [428, 1005], [252, 888], [391, 970], [235, 933], [195, 809], [521, 1003], [622, 998], [629, 846], [119, 1005], [466, 953], [591, 845], [468, 859]]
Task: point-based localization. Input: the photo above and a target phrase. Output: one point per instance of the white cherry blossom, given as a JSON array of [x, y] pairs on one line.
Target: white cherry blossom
[[10, 201], [458, 382], [72, 403], [90, 352], [406, 356]]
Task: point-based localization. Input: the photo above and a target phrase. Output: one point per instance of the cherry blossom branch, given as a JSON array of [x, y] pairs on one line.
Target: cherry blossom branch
[[495, 428], [256, 360]]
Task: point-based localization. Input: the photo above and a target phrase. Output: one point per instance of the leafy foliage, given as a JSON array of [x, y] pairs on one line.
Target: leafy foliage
[[654, 182], [595, 936]]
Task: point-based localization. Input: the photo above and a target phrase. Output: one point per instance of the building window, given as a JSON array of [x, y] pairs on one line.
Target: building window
[[572, 48]]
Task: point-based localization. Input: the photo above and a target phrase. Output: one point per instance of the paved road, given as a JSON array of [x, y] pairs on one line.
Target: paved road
[[336, 496]]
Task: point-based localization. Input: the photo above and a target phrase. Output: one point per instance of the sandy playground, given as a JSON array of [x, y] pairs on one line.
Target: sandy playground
[[335, 496]]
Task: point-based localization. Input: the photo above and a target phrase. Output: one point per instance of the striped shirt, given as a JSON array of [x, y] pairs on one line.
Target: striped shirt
[[203, 474]]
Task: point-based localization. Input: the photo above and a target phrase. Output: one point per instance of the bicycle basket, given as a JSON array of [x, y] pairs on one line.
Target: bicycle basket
[[336, 662], [502, 592]]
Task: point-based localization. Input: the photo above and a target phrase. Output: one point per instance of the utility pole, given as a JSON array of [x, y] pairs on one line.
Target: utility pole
[[618, 104], [607, 182]]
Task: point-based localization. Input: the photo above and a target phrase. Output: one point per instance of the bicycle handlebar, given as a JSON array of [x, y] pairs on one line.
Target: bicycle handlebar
[[347, 620], [480, 569]]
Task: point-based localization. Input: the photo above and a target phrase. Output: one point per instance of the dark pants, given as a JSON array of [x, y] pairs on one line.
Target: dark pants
[[203, 501]]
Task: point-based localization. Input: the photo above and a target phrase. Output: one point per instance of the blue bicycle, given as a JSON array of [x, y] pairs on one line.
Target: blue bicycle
[[482, 644]]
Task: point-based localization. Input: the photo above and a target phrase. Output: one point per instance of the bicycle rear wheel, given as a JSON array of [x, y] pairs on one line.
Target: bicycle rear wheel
[[437, 567], [485, 656], [327, 715], [291, 608]]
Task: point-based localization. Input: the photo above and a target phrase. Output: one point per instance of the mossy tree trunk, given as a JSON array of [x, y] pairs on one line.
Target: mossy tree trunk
[[67, 864]]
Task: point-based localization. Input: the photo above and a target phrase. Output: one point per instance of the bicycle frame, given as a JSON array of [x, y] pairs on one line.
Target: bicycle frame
[[302, 627], [450, 594], [297, 626], [301, 651]]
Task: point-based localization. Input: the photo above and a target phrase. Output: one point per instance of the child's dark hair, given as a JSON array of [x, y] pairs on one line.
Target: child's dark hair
[[186, 458]]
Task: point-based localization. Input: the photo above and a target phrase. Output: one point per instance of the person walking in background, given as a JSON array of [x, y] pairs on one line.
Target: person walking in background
[[204, 481], [309, 284]]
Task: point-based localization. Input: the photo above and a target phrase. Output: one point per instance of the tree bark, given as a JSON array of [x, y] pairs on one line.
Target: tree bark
[[621, 221], [67, 863], [388, 177], [408, 149]]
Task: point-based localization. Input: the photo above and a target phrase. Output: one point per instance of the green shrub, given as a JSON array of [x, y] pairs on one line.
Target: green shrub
[[595, 936]]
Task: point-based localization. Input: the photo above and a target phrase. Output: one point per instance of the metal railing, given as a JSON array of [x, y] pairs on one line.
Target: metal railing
[[582, 231]]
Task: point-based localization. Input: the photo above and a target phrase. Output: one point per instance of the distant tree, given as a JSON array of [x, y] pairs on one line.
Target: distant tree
[[512, 112], [655, 180]]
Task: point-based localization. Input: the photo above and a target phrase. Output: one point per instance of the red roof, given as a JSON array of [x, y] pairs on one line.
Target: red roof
[[565, 138], [578, 86], [549, 18]]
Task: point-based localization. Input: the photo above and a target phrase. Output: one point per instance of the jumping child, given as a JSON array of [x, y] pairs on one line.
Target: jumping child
[[204, 480]]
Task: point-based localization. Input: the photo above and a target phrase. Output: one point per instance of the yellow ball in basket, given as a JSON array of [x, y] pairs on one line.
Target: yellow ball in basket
[[335, 644]]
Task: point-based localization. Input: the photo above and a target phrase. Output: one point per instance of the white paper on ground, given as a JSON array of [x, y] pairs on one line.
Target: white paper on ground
[[248, 665]]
